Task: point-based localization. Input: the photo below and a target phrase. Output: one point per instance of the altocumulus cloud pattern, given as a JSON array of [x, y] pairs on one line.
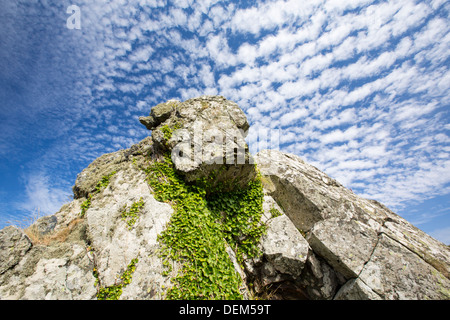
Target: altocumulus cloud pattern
[[359, 89]]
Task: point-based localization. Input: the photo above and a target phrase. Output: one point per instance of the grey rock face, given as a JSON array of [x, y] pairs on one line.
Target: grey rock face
[[63, 272], [288, 268], [80, 255], [319, 280], [116, 244], [378, 254], [205, 136], [284, 247], [159, 114], [54, 271], [350, 259], [395, 272], [356, 289], [46, 224], [13, 246], [284, 250]]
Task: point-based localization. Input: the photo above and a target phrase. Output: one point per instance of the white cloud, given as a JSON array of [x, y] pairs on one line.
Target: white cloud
[[183, 3], [130, 87], [178, 16], [374, 152], [219, 51], [293, 116], [41, 196], [340, 136], [142, 54]]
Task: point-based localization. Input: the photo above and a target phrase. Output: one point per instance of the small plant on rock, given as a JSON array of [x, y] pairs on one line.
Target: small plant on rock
[[131, 215]]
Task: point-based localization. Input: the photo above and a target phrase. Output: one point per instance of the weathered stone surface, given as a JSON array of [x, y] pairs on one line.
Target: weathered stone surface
[[65, 276], [348, 259], [355, 289], [319, 281], [283, 246], [308, 195], [159, 114], [87, 180], [284, 251], [205, 136], [433, 252], [68, 213], [45, 225], [148, 122], [54, 271], [116, 244], [13, 246], [63, 267], [394, 272], [379, 254]]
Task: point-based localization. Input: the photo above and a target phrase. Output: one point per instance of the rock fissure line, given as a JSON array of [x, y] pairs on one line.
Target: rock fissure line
[[424, 257], [379, 234], [368, 260]]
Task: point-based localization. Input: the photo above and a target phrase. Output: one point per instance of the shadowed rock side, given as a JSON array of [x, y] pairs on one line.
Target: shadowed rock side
[[321, 241]]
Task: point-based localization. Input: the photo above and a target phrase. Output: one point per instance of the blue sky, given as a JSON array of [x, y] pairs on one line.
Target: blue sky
[[360, 89]]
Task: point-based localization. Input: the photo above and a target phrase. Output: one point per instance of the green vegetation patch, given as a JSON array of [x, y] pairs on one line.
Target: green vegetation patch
[[201, 228], [275, 212], [130, 216], [114, 292], [85, 205], [239, 213], [168, 130], [103, 183]]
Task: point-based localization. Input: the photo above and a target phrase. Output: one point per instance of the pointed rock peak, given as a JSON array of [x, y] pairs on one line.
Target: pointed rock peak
[[205, 137]]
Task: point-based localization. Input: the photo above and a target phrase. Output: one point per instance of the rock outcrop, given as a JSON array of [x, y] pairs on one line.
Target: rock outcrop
[[304, 236], [372, 252], [204, 135]]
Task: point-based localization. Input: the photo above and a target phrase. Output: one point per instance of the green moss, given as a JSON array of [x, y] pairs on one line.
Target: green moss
[[274, 212], [239, 213], [168, 130], [201, 228], [85, 205], [114, 292], [104, 182], [131, 215]]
